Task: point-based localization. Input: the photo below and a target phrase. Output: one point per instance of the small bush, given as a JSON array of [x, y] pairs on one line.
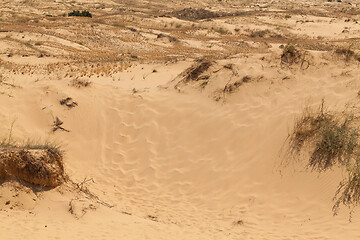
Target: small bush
[[290, 55], [77, 13], [332, 139]]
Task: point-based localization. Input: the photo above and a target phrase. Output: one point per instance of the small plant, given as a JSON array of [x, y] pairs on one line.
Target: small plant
[[77, 13], [68, 102], [287, 16], [290, 55]]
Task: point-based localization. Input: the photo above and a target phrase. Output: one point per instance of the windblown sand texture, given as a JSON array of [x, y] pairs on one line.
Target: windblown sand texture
[[152, 152]]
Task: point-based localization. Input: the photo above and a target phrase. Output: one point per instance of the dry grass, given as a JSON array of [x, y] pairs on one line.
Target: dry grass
[[195, 72], [79, 83], [332, 139], [346, 53], [348, 192]]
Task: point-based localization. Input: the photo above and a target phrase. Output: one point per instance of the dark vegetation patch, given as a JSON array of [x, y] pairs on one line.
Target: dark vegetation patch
[[193, 14], [291, 55], [68, 102], [77, 13], [347, 54], [194, 72]]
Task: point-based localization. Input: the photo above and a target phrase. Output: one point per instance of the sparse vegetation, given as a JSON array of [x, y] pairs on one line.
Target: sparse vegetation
[[77, 13], [346, 53], [292, 55], [68, 102], [261, 33], [333, 140], [193, 73], [79, 83]]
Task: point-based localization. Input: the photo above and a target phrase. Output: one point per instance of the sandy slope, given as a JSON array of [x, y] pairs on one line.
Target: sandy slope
[[151, 158], [182, 165]]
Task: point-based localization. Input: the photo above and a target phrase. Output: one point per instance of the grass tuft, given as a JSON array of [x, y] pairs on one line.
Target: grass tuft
[[332, 139], [6, 145]]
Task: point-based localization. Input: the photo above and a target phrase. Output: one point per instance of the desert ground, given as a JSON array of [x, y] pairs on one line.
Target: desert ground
[[173, 116]]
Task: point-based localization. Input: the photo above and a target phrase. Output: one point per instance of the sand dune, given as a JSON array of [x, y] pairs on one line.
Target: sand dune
[[150, 156]]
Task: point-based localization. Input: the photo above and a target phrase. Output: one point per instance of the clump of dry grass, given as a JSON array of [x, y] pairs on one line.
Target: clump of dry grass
[[346, 53], [348, 192], [291, 55], [79, 83], [40, 164], [332, 139], [193, 73]]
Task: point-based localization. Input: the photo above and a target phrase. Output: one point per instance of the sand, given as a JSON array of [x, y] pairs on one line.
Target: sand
[[151, 156]]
